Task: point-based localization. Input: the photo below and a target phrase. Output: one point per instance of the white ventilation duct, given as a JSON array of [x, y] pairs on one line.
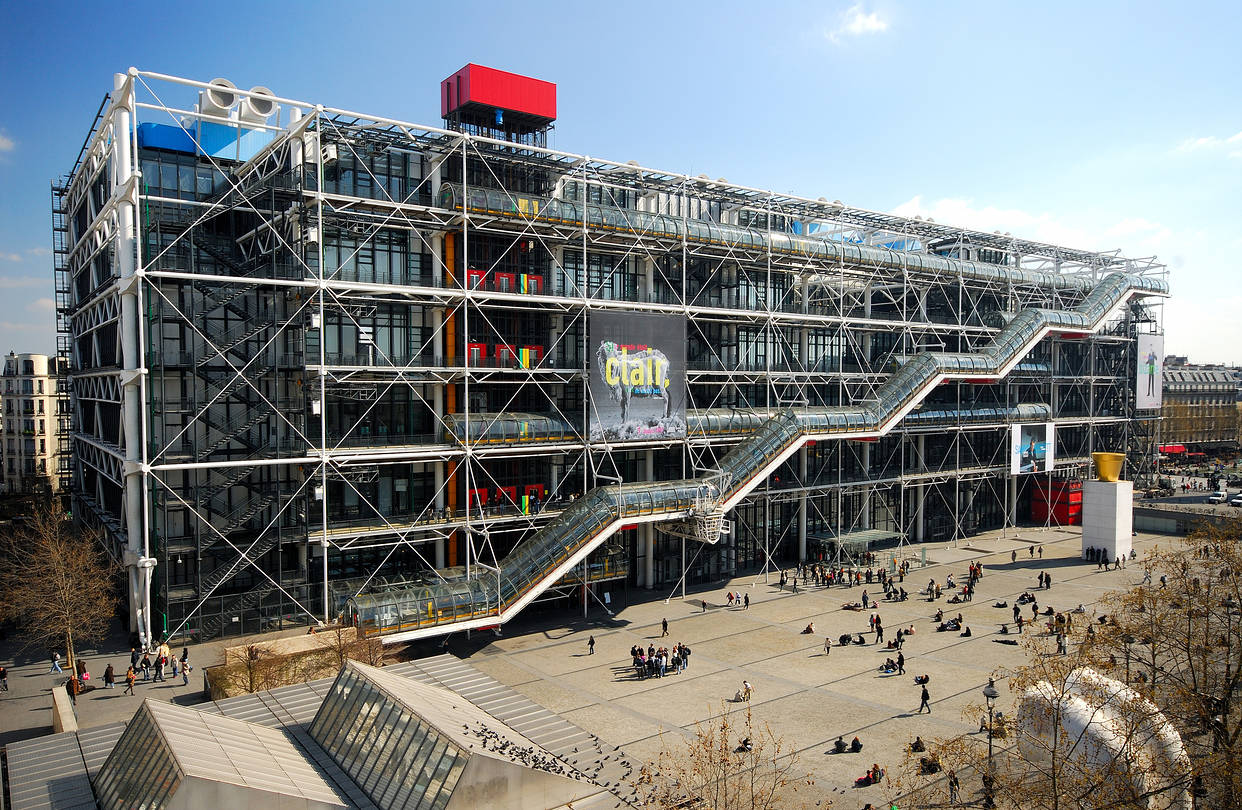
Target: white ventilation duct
[[218, 98], [258, 106]]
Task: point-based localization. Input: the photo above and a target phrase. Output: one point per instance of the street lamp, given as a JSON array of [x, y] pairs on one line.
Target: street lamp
[[990, 695], [1127, 639]]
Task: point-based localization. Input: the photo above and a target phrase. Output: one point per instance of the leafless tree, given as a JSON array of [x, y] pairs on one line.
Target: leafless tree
[[713, 770], [1174, 640], [57, 583]]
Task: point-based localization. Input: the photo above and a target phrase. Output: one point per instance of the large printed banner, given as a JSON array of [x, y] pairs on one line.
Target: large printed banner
[[1149, 391], [1032, 448], [637, 376]]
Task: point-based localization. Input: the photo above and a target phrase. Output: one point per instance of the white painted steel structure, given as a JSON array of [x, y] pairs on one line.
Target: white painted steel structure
[[227, 443]]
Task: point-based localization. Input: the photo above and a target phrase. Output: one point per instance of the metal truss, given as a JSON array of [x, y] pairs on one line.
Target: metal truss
[[271, 378]]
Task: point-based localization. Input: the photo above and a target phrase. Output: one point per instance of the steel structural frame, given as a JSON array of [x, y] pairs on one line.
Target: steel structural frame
[[833, 297]]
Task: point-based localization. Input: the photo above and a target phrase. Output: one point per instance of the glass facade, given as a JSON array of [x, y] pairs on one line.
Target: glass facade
[[396, 757], [141, 772]]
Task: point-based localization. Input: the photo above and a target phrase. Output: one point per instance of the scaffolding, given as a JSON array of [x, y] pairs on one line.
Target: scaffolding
[[318, 347]]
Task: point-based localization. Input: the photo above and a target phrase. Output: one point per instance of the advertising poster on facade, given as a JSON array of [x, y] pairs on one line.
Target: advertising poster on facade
[[1149, 390], [1032, 448], [637, 376]]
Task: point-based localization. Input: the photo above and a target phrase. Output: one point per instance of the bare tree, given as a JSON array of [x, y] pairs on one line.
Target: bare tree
[[57, 583], [1171, 646], [1176, 638], [716, 771]]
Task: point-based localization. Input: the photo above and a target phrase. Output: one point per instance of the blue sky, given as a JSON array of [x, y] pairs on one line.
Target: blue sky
[[1097, 125]]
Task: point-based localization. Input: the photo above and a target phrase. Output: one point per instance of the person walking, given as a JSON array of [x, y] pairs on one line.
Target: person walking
[[901, 663], [1041, 552], [1013, 556], [879, 630], [1016, 612], [591, 645], [130, 678], [4, 680], [109, 677], [663, 628], [55, 664], [954, 789], [1030, 550], [828, 645], [185, 674], [146, 667], [925, 704], [704, 605], [865, 599], [134, 656], [1062, 647], [746, 601]]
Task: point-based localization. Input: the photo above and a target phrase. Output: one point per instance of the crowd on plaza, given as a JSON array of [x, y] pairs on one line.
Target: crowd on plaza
[[161, 668], [656, 662]]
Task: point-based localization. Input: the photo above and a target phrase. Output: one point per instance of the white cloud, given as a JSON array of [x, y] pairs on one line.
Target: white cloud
[[7, 144], [41, 306], [854, 22], [39, 251], [10, 257], [1208, 143], [1136, 236]]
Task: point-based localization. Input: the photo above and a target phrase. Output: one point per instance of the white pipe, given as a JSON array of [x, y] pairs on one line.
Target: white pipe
[[897, 223], [135, 547]]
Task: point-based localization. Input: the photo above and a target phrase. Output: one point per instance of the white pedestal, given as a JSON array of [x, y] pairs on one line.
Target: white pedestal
[[1108, 517]]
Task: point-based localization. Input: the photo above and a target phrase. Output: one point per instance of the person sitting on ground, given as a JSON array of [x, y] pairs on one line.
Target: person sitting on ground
[[1004, 629], [910, 630], [1048, 611], [921, 680], [889, 666], [844, 639], [917, 746], [852, 606], [902, 595], [956, 600], [1002, 603], [809, 629], [746, 744], [858, 639], [839, 747], [939, 615], [1080, 609], [965, 632], [855, 745], [929, 765]]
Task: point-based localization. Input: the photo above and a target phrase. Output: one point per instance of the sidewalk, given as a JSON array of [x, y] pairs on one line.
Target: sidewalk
[[26, 709]]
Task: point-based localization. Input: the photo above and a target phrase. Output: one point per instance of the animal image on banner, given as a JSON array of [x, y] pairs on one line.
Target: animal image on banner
[[637, 376]]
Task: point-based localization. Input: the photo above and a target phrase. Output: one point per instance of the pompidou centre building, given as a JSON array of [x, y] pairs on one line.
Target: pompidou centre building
[[330, 364]]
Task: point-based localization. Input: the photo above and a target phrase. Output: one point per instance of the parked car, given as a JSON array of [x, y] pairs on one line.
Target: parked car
[[1236, 500], [1219, 496]]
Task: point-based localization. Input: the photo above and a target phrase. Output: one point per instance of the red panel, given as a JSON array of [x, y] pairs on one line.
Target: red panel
[[498, 88]]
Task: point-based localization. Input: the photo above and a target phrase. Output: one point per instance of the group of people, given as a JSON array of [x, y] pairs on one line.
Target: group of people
[[153, 670], [826, 576], [656, 663], [739, 598]]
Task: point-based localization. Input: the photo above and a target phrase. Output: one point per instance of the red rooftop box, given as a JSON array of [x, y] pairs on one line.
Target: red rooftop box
[[475, 85]]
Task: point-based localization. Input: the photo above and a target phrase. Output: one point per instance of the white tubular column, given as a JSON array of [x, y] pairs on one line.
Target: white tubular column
[[864, 519], [1013, 501], [138, 561], [437, 406], [802, 468], [919, 496], [647, 532]]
